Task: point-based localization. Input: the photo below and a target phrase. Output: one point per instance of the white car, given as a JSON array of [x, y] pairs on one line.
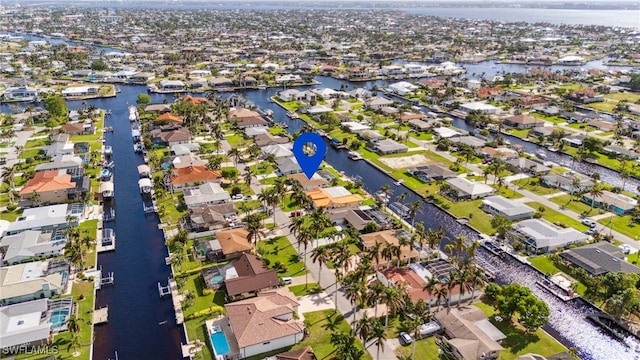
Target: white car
[[625, 248], [237, 197], [589, 223]]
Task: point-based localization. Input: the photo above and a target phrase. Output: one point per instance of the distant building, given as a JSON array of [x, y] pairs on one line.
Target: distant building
[[428, 173], [569, 182], [541, 237], [512, 210], [463, 189], [616, 203]]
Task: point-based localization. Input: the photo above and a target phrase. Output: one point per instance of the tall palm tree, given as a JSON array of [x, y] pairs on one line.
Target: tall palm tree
[[476, 280], [320, 254], [392, 297], [363, 327], [339, 256], [74, 324], [378, 335], [354, 291], [270, 198], [375, 290], [441, 292], [434, 239], [414, 208], [420, 237], [375, 252], [595, 192], [235, 154], [247, 177], [430, 288], [388, 252]]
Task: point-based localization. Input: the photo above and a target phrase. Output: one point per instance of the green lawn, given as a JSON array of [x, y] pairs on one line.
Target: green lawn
[[236, 140], [195, 285], [622, 224], [11, 215], [544, 264], [279, 249], [554, 119], [173, 211], [426, 349], [558, 218], [29, 153], [90, 227], [196, 330], [518, 342], [534, 186], [289, 205], [320, 325], [36, 143], [302, 289], [479, 219], [422, 136], [506, 192], [576, 205]]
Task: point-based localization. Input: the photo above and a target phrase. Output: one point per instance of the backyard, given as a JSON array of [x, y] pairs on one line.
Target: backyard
[[278, 250]]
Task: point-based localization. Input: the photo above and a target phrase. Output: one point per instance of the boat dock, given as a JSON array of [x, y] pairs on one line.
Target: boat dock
[[176, 297], [101, 316]]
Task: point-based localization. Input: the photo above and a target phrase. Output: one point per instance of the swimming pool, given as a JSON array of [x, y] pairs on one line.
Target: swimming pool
[[219, 342], [58, 317]]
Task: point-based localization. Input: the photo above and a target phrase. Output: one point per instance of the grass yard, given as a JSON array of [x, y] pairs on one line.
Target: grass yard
[[10, 216], [90, 227], [518, 342], [576, 205], [195, 285], [479, 219], [196, 330], [170, 210], [506, 192], [544, 264], [426, 349], [553, 119], [630, 97], [534, 186], [279, 249], [302, 289], [29, 153], [622, 224], [320, 325], [30, 144], [558, 218]]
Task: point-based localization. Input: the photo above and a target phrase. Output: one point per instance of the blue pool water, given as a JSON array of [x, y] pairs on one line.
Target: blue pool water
[[58, 318], [219, 343]]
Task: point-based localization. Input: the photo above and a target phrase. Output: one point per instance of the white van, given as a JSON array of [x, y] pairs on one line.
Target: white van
[[287, 280]]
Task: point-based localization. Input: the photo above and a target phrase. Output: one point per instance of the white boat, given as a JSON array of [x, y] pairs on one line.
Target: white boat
[[292, 115], [540, 154], [262, 87], [354, 155], [399, 182], [108, 150], [553, 149]]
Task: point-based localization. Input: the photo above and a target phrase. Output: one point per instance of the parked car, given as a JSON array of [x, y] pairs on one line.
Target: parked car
[[589, 223], [405, 338], [237, 197], [287, 280], [590, 231], [625, 248]]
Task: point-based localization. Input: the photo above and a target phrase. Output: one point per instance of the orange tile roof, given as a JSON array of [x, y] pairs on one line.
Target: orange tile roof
[[44, 181], [322, 198], [191, 174], [242, 113], [171, 117], [195, 100], [234, 240]]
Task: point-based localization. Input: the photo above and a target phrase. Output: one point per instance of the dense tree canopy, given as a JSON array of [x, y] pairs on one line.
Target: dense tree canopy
[[514, 299], [56, 106]]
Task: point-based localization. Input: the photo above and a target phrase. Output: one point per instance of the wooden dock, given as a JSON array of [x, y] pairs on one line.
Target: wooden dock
[[101, 316], [177, 299]]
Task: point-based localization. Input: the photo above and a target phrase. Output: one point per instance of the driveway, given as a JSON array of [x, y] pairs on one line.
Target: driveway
[[315, 302]]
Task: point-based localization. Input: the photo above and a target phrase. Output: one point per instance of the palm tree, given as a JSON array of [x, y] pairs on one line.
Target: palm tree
[[375, 290], [476, 280], [468, 152], [441, 292], [595, 192], [430, 287], [434, 238], [269, 197], [392, 297], [414, 208], [74, 324], [354, 291], [74, 343], [388, 252], [247, 177], [364, 327], [253, 222], [375, 253], [412, 326], [420, 237], [378, 335], [305, 237], [320, 255]]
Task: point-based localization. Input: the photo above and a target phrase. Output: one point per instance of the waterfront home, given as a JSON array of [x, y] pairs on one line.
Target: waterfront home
[[251, 121], [479, 106], [78, 91], [31, 244], [603, 125], [585, 96], [265, 323], [620, 153], [183, 161], [463, 189], [60, 145], [522, 122], [468, 140], [52, 217], [288, 78], [354, 127], [184, 149], [209, 193], [569, 182], [210, 217], [247, 276], [189, 176], [469, 334], [48, 187], [171, 85], [305, 353], [384, 237], [287, 166], [493, 93], [427, 173], [266, 139], [33, 280], [598, 259], [525, 165], [278, 151], [500, 153], [234, 242], [333, 197], [377, 102], [290, 95], [402, 88], [358, 217], [317, 109], [169, 135], [79, 128], [141, 78], [419, 124], [387, 146], [22, 93], [540, 236], [445, 132], [220, 82], [360, 93], [168, 118], [25, 324], [315, 182], [616, 203], [157, 108], [512, 210]]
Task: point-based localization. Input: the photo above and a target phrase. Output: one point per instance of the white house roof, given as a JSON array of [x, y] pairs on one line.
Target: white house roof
[[30, 243], [478, 106], [548, 235], [355, 126], [506, 206], [23, 323], [472, 188], [205, 193], [39, 217], [444, 132], [278, 150], [29, 278]]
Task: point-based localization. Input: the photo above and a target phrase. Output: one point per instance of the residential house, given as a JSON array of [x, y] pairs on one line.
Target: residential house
[[157, 108], [524, 165], [169, 135], [387, 146], [209, 193], [210, 217], [569, 182], [52, 217], [402, 88], [60, 145], [305, 353], [500, 153], [266, 139], [220, 83], [183, 161], [358, 217], [385, 237], [248, 276], [333, 197], [472, 141], [265, 323], [169, 118], [25, 324], [61, 162], [278, 151], [479, 106], [522, 122], [287, 165], [32, 281], [512, 210], [315, 182], [469, 334], [599, 259], [463, 189], [419, 124], [603, 125], [189, 176], [48, 187], [234, 242], [290, 95], [616, 203], [370, 136], [541, 237], [377, 102], [31, 244], [78, 128], [354, 127], [79, 91], [141, 78], [585, 96], [541, 131], [428, 173], [184, 149], [620, 152], [172, 85]]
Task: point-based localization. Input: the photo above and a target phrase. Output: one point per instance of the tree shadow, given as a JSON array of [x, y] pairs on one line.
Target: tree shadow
[[333, 322]]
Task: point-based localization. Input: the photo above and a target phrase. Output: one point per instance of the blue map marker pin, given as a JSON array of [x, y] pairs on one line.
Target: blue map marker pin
[[309, 149]]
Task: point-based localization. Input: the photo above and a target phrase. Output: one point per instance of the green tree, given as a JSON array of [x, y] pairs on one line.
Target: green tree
[[99, 65], [56, 106], [501, 223], [143, 99]]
